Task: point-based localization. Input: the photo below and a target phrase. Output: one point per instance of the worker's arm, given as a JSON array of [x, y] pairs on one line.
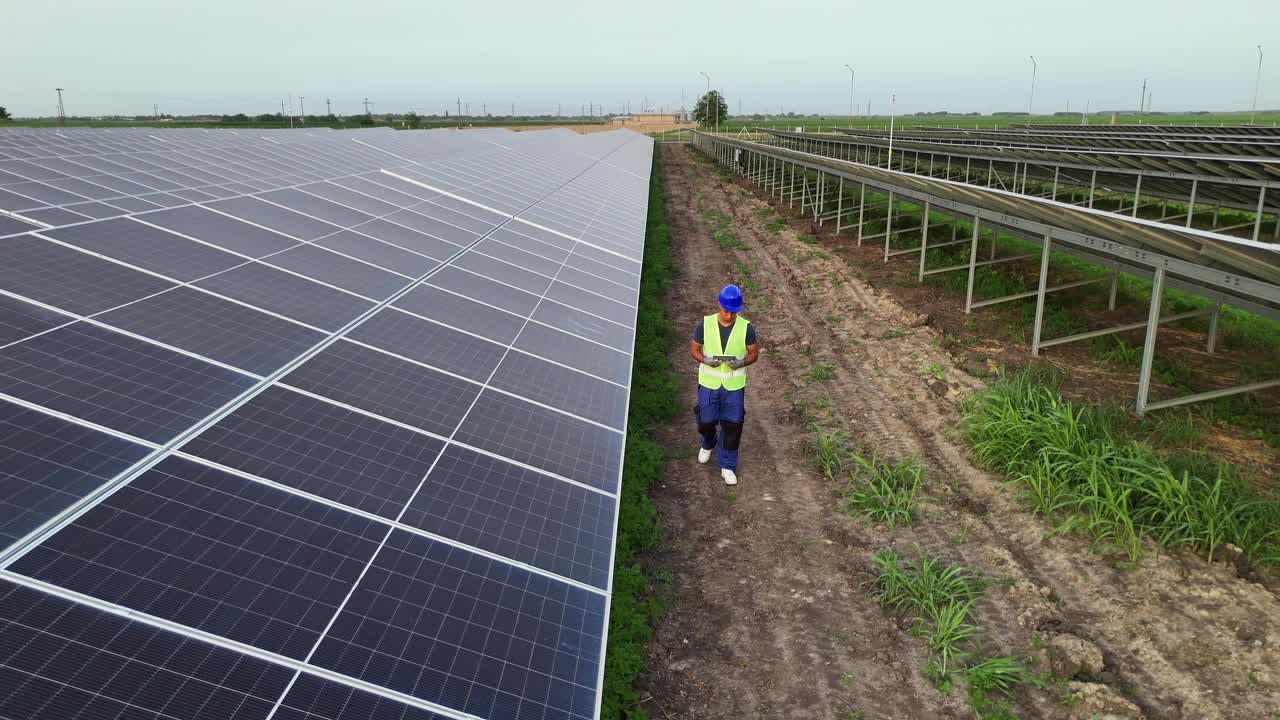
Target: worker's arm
[[753, 354], [695, 351]]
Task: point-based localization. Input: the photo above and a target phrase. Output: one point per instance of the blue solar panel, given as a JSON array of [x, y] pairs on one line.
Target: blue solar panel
[[60, 660], [453, 627], [213, 551], [46, 464], [117, 381], [69, 279], [322, 449], [387, 386]]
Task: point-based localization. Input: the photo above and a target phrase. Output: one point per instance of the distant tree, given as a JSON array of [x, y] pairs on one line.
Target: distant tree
[[365, 119], [711, 109], [237, 118], [4, 114], [270, 117], [412, 121]]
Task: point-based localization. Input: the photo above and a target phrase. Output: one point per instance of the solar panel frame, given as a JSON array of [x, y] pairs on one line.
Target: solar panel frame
[[515, 181]]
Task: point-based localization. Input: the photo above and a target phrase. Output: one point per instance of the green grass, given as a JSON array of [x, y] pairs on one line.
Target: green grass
[[883, 492], [822, 372], [722, 230], [635, 605], [776, 227], [1077, 465], [991, 682]]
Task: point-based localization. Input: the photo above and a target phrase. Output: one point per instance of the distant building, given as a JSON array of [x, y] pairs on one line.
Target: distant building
[[671, 118]]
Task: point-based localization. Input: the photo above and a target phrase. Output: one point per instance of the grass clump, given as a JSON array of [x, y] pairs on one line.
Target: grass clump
[[1075, 464], [938, 597], [635, 605], [822, 372], [828, 451], [776, 227], [883, 491]]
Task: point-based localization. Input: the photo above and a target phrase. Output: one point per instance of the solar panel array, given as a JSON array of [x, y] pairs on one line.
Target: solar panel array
[[312, 425]]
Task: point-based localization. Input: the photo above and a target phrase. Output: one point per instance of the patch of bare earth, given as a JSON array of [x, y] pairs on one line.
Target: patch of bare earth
[[771, 611]]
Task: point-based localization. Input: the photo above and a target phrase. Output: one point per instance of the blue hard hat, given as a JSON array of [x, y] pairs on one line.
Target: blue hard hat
[[731, 298]]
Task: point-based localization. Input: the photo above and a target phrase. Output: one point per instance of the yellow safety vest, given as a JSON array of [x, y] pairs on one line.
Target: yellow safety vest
[[723, 375]]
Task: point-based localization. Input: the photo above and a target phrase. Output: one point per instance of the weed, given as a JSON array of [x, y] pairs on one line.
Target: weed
[[1115, 351], [776, 227], [822, 372], [807, 350], [728, 239], [884, 492], [996, 676], [836, 281], [846, 679], [1176, 428], [828, 451], [939, 598], [764, 212], [1074, 463], [809, 239], [892, 334], [938, 372]]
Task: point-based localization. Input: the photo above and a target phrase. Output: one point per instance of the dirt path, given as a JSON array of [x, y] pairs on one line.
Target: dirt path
[[772, 615]]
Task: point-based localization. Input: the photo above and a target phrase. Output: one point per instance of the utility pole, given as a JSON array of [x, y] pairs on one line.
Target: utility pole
[[155, 110], [851, 76], [366, 107], [513, 109], [484, 109], [1032, 97], [1143, 101], [459, 113], [302, 108], [328, 108], [62, 112], [1256, 80], [467, 105]]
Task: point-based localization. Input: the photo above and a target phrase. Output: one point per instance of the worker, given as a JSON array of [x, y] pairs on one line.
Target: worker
[[722, 383]]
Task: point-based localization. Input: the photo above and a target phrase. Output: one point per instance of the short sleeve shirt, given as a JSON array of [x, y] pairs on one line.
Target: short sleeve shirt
[[724, 334]]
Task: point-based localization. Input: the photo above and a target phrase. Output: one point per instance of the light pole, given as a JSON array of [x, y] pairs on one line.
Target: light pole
[[893, 103], [851, 76], [1143, 101], [1032, 97], [62, 113], [302, 108], [1256, 79], [707, 97]]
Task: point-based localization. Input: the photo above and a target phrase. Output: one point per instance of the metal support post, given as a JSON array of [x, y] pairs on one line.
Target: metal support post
[[1191, 204], [1149, 342], [840, 206], [862, 209], [1056, 168], [973, 266], [1257, 216], [1212, 344], [888, 226], [1093, 183], [1115, 287], [924, 237], [1044, 282], [1137, 191]]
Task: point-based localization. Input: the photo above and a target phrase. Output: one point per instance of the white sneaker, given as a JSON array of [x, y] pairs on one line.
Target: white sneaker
[[703, 456], [729, 477]]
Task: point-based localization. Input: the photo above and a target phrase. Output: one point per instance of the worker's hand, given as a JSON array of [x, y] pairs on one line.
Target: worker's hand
[[737, 363], [706, 360]]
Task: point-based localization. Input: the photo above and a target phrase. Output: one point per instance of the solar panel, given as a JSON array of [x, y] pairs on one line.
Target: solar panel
[[312, 425]]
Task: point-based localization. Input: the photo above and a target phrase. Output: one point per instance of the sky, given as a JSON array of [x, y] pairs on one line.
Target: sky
[[232, 56]]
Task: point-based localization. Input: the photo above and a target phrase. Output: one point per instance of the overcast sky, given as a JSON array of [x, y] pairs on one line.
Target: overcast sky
[[241, 56]]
